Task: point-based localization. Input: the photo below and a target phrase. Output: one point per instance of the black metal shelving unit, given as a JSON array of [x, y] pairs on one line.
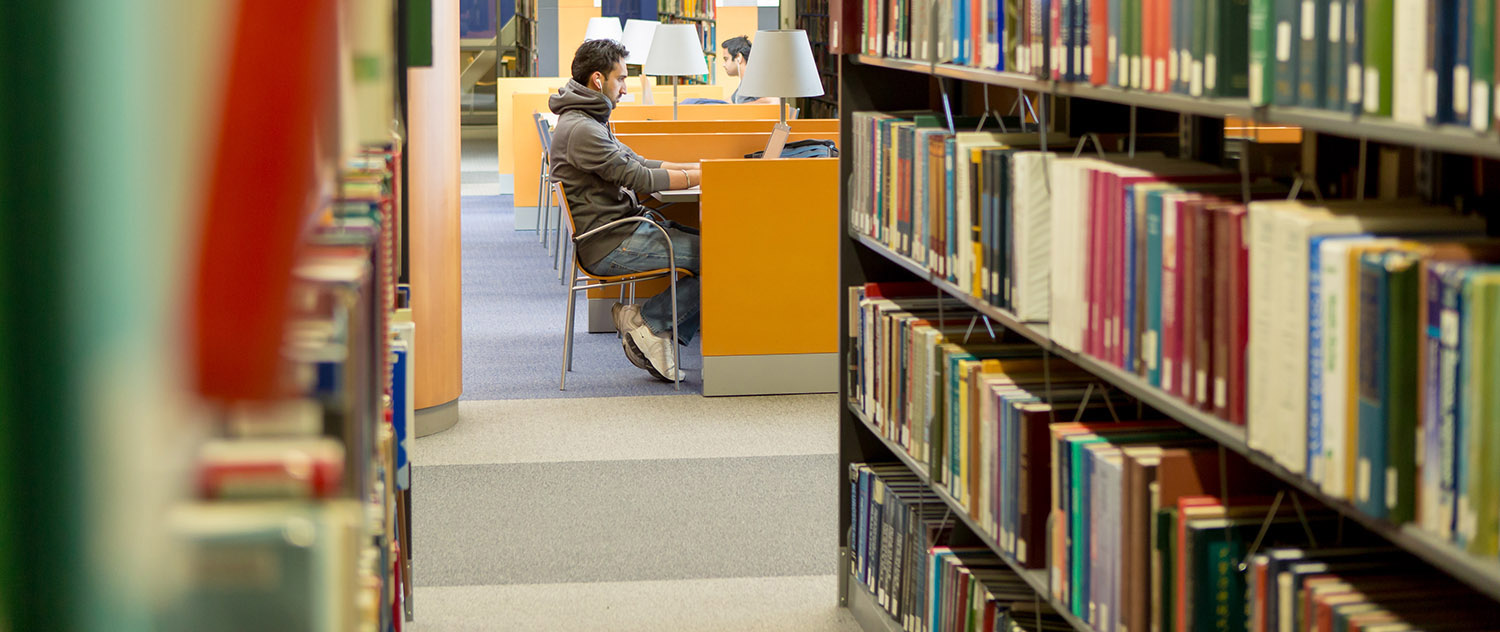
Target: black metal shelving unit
[[867, 83]]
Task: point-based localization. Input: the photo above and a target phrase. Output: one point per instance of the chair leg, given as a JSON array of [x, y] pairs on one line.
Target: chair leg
[[676, 358], [571, 298], [567, 363]]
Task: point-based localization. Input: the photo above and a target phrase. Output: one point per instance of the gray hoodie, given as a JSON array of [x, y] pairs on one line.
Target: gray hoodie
[[600, 176]]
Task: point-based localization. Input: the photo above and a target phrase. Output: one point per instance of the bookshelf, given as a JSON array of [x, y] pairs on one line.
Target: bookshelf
[[526, 43], [812, 16], [700, 14], [877, 83]]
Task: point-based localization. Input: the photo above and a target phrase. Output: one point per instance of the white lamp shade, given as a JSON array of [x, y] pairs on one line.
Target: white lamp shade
[[781, 65], [676, 51], [637, 40], [603, 28]]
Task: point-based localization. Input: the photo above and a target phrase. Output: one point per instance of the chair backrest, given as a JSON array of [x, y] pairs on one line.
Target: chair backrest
[[543, 131], [567, 211]]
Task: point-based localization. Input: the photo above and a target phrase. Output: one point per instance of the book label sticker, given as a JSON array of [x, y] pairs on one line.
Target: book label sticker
[[1430, 83], [1390, 487], [1113, 50], [1221, 393], [1335, 23], [1088, 59], [1497, 100], [1460, 90], [1353, 81], [1172, 64], [1257, 83], [1135, 71], [1195, 84], [1284, 41], [1161, 75], [1148, 347], [1210, 71], [1372, 90], [1309, 13], [1200, 389], [1481, 106]]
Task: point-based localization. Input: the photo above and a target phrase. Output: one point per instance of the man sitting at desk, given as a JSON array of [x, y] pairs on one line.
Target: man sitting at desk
[[601, 178], [736, 53]]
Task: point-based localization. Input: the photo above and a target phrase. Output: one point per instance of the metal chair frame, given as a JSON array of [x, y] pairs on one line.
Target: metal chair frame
[[590, 281]]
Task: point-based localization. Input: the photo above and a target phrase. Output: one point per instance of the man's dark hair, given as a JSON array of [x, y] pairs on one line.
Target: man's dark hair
[[599, 56], [737, 46]]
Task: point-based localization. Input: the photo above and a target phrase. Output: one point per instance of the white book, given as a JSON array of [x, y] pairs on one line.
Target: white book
[[1410, 54], [1070, 188], [1284, 336], [1031, 210]]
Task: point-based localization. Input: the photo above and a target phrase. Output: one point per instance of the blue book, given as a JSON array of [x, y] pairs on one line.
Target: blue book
[[1441, 32], [961, 31], [1151, 331], [1462, 62], [1080, 39], [1333, 69], [1369, 486], [995, 32], [1315, 355]]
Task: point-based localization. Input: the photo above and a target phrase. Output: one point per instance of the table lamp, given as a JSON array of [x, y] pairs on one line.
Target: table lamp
[[676, 51], [781, 65], [637, 40], [603, 28]]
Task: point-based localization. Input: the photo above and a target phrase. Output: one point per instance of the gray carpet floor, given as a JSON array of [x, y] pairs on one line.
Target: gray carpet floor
[[618, 504], [514, 310]]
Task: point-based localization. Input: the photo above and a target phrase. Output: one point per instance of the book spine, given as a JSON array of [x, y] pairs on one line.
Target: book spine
[[1315, 359], [1127, 328], [1188, 316], [1288, 20], [1437, 92], [1229, 70], [1379, 32], [1448, 394], [1262, 52], [1354, 55], [1369, 466], [1312, 49], [1463, 30], [1151, 331], [1410, 56], [1334, 60], [1203, 318], [1482, 63], [1239, 313], [1223, 272], [1171, 293], [1400, 377]]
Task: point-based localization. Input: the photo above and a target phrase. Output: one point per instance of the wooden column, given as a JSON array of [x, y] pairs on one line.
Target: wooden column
[[433, 157]]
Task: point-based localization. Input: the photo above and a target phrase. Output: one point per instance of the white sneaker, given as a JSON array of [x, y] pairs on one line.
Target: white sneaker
[[656, 349], [624, 315]]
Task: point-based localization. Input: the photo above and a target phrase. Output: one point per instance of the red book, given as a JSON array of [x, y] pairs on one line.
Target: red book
[[977, 34], [1117, 269], [1203, 287], [1098, 48], [1187, 316], [1239, 315], [1221, 218], [899, 289], [845, 26]]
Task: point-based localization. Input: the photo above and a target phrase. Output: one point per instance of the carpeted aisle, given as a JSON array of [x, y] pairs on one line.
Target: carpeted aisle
[[514, 310], [617, 504]]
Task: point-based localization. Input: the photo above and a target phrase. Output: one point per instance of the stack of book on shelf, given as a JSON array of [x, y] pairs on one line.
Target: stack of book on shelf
[[1412, 60], [295, 525], [1139, 522], [898, 554]]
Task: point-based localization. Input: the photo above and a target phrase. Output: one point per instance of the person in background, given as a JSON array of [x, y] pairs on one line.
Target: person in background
[[602, 178], [736, 53]]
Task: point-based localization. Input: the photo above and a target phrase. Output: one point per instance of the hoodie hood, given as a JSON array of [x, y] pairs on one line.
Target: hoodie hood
[[574, 96]]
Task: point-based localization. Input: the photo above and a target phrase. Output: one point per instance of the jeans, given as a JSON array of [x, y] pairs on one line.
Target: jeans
[[645, 250]]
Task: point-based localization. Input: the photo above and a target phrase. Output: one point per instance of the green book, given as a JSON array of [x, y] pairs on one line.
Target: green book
[[1403, 298], [1482, 63], [1262, 67], [1227, 61], [1378, 39], [1485, 480], [1166, 545]]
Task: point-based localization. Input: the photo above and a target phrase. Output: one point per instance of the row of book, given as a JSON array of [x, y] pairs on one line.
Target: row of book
[[1419, 61], [899, 553], [1317, 325], [970, 409], [298, 521], [1139, 523]]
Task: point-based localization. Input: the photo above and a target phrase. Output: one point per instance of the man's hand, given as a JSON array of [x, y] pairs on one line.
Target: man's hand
[[683, 178], [692, 166]]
